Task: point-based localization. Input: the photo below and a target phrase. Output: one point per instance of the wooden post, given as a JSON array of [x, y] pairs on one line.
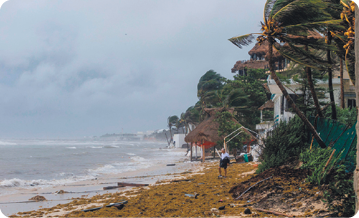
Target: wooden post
[[196, 150], [203, 153], [191, 150], [225, 146]]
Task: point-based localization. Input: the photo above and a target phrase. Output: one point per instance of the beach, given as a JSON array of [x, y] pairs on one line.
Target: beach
[[142, 162], [199, 192]]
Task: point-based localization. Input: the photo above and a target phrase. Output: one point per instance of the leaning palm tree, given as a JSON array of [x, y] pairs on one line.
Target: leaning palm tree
[[282, 19], [171, 121]]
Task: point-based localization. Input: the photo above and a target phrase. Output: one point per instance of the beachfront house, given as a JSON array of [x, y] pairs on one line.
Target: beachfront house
[[277, 103]]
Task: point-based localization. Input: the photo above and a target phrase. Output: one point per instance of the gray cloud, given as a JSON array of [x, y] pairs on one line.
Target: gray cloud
[[89, 67]]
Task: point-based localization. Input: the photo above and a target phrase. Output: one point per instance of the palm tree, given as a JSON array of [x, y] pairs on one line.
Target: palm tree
[[281, 19], [356, 52], [171, 121]]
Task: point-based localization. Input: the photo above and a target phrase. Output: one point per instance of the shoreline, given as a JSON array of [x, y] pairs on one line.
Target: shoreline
[[198, 171], [90, 188]]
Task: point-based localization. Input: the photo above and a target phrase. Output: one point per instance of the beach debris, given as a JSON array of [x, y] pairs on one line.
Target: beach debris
[[247, 211], [170, 165], [221, 208], [130, 184], [192, 196], [182, 180], [38, 198], [252, 187], [201, 183], [232, 205], [273, 212], [112, 187], [214, 210], [119, 206], [61, 192]]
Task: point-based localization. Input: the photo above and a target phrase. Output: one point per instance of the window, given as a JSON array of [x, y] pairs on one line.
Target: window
[[351, 103]]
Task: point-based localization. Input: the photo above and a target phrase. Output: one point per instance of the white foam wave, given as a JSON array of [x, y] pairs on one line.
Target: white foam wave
[[7, 143], [15, 182], [131, 154], [95, 147], [71, 147], [110, 146]]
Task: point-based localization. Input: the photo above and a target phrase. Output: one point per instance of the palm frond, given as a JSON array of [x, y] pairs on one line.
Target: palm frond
[[315, 43], [243, 40], [300, 11], [320, 26], [300, 56], [268, 8]]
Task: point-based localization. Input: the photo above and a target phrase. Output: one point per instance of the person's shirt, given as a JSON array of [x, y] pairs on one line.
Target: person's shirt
[[224, 155]]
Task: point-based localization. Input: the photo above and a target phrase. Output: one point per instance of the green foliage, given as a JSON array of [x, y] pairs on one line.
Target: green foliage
[[208, 82], [227, 126], [315, 160], [340, 197], [346, 116], [287, 140], [253, 94]]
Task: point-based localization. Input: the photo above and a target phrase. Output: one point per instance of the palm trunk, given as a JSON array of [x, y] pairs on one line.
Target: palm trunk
[[308, 70], [356, 172], [342, 104], [171, 139], [289, 99], [330, 80]]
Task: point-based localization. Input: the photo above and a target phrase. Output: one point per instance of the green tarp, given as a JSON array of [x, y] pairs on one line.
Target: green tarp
[[337, 136]]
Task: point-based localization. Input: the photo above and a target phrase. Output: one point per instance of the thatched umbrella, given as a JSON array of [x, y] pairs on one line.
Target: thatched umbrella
[[206, 132]]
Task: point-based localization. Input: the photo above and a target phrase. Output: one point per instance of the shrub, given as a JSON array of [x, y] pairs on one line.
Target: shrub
[[340, 196], [315, 159], [287, 140]]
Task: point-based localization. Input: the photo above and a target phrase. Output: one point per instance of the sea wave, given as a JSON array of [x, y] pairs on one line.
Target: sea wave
[[131, 154], [7, 143], [71, 147], [15, 182], [110, 146]]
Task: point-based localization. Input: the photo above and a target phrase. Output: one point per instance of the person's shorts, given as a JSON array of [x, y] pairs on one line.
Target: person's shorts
[[223, 164]]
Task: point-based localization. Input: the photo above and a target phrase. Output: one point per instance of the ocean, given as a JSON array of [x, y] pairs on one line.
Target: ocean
[[46, 163]]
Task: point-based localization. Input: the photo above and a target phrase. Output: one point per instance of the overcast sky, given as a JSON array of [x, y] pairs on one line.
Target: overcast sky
[[89, 67]]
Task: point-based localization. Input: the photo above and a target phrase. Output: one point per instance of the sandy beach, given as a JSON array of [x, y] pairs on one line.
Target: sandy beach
[[19, 202], [199, 192]]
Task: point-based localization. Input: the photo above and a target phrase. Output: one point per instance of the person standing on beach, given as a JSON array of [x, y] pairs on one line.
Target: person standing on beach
[[223, 163]]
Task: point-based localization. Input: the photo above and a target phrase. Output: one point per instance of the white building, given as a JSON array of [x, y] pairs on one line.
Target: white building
[[179, 140]]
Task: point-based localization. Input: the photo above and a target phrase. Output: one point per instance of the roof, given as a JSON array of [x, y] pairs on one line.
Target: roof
[[252, 64], [268, 105], [208, 129], [261, 49]]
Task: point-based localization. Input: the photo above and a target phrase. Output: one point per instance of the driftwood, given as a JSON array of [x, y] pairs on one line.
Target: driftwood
[[112, 187], [273, 212], [130, 184], [119, 206], [170, 165], [252, 187], [182, 180]]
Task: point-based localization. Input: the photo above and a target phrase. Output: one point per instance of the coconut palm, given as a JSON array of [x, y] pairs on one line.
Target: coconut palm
[[171, 121], [282, 19]]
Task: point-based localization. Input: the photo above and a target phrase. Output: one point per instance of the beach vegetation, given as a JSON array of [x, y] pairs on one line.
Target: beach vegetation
[[286, 141]]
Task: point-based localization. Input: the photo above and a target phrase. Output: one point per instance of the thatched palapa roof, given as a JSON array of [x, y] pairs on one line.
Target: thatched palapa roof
[[252, 64], [208, 129]]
